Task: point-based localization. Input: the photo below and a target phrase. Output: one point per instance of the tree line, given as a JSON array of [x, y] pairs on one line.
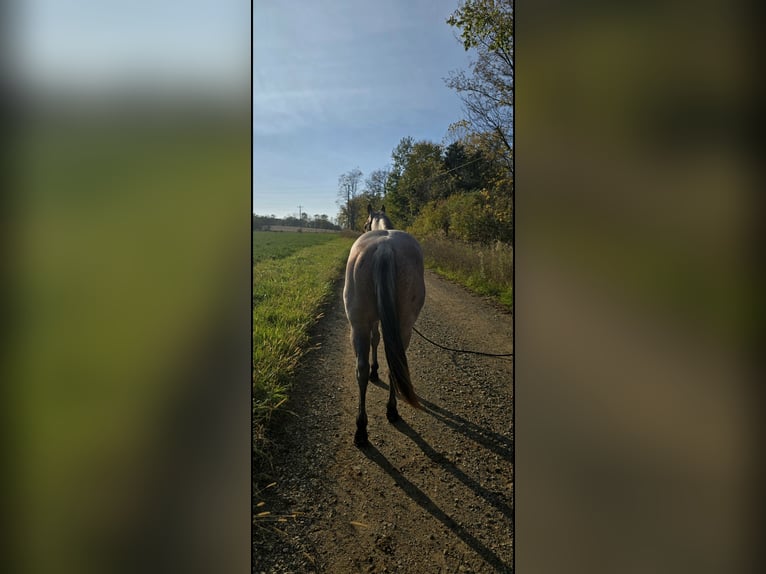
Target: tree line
[[263, 222], [462, 189]]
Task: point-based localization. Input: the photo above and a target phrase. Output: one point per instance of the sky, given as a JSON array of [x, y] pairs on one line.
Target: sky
[[86, 44], [337, 84]]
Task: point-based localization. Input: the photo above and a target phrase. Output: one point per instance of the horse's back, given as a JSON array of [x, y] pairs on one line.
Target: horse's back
[[359, 291], [405, 246]]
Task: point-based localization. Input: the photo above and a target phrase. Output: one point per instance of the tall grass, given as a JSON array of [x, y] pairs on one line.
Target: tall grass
[[485, 269], [287, 297]]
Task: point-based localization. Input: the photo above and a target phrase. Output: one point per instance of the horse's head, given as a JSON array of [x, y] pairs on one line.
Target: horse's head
[[377, 219]]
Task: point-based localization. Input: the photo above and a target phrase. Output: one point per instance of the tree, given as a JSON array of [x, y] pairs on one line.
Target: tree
[[399, 156], [375, 184], [423, 175], [473, 201], [492, 180], [487, 93], [348, 186], [416, 178], [461, 168], [454, 155]]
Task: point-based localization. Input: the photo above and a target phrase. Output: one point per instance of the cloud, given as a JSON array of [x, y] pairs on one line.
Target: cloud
[[287, 111]]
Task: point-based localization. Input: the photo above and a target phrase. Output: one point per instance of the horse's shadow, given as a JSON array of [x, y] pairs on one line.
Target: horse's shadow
[[491, 497], [495, 442], [429, 506]]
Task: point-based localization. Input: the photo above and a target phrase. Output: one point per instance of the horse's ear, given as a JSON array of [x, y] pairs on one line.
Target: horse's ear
[[369, 208], [383, 208]]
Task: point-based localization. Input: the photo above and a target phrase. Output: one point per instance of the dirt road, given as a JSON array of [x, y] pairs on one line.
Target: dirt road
[[432, 493]]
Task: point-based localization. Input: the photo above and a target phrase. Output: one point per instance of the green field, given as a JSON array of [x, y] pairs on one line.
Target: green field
[[293, 276], [276, 245]]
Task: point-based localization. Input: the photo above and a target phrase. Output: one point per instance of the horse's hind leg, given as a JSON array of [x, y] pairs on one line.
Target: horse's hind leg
[[392, 414], [361, 342], [375, 340]]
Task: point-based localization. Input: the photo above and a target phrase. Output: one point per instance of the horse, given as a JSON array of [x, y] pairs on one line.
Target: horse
[[384, 285]]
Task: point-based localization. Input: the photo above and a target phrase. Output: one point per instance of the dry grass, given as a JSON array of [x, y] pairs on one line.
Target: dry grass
[[485, 269]]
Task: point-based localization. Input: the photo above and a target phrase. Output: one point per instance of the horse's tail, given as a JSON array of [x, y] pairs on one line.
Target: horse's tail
[[385, 279]]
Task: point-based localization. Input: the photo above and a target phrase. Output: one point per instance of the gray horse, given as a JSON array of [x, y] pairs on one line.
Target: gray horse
[[384, 284]]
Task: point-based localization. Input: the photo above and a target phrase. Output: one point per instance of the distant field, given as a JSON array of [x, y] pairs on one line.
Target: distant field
[[292, 229], [293, 275], [272, 245]]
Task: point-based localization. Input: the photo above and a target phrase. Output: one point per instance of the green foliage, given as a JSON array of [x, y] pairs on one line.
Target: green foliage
[[471, 216], [463, 192], [484, 24], [421, 181], [397, 197], [434, 220], [470, 220], [399, 156]]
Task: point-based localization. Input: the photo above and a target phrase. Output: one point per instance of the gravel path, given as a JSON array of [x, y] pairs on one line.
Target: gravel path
[[434, 492]]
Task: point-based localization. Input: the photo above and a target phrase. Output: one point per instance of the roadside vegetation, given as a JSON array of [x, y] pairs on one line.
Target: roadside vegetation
[[293, 276], [484, 269]]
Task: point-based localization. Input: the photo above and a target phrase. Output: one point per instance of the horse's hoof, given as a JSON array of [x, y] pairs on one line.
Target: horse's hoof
[[393, 416], [360, 440], [374, 375]]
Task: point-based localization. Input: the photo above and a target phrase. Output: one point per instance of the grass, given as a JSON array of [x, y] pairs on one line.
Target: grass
[[276, 245], [486, 270], [288, 293]]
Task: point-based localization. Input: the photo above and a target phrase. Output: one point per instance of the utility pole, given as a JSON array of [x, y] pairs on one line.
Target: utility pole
[[300, 217]]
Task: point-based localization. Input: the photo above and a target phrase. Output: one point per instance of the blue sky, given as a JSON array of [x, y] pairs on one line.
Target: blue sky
[[194, 45], [337, 84]]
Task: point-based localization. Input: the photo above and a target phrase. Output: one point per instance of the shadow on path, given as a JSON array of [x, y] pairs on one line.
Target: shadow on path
[[496, 442], [488, 495], [428, 505]]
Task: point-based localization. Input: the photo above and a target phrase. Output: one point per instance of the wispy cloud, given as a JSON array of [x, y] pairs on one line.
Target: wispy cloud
[[286, 111]]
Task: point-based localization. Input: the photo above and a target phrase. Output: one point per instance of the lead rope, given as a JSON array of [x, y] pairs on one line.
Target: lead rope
[[460, 350]]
